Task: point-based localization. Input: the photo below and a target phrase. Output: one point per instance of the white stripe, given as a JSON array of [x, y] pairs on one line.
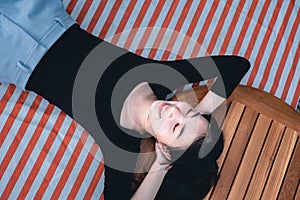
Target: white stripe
[[292, 90], [99, 188], [62, 164], [66, 3], [89, 15], [142, 28], [49, 159], [12, 136], [197, 31], [212, 26], [3, 88], [270, 43], [129, 25], [238, 27], [224, 30], [102, 19], [187, 86], [76, 170], [282, 47], [33, 155], [295, 78], [182, 33], [163, 45], [77, 8], [87, 179], [16, 124], [7, 110], [258, 41], [289, 62], [37, 150], [116, 21], [156, 29]]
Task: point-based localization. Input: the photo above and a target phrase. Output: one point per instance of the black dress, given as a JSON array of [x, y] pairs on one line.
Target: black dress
[[55, 75]]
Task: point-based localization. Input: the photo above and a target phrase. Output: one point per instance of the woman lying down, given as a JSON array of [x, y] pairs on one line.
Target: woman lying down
[[43, 50]]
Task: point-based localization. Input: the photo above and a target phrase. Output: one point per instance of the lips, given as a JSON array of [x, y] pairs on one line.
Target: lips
[[162, 108]]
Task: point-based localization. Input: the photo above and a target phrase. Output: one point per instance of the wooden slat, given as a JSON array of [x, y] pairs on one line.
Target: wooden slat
[[297, 196], [250, 158], [291, 180], [269, 105], [235, 154], [265, 161], [280, 165], [229, 126]]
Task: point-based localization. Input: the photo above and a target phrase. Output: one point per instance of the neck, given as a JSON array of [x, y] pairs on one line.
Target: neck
[[136, 107]]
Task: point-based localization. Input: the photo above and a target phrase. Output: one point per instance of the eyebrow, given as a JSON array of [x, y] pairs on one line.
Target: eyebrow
[[181, 131], [196, 114]]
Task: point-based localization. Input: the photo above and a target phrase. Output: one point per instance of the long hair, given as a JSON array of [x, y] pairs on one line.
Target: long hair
[[195, 171]]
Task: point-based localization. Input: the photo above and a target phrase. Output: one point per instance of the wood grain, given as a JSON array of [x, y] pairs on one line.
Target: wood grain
[[291, 180], [280, 165], [235, 154], [250, 158], [265, 162]]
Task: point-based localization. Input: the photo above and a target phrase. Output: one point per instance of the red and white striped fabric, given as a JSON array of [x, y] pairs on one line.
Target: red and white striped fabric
[[264, 31], [44, 153]]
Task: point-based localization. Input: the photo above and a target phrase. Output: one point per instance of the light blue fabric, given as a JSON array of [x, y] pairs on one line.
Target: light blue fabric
[[28, 28]]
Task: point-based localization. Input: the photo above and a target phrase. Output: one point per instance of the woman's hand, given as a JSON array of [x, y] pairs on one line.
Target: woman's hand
[[163, 157]]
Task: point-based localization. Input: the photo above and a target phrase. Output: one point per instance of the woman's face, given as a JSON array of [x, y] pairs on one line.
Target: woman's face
[[176, 124]]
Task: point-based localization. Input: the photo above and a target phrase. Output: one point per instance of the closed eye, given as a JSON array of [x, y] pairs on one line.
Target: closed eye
[[175, 127], [190, 110]]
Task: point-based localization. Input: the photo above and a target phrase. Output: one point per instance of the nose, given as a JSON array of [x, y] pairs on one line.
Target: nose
[[173, 112]]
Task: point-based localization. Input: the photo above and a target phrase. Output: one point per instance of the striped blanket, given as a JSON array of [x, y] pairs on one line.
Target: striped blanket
[[45, 154]]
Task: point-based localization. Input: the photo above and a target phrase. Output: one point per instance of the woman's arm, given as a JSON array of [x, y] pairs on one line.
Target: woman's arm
[[210, 102], [151, 184], [230, 71]]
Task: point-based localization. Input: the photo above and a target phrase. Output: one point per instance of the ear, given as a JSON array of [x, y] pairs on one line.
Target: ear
[[166, 151]]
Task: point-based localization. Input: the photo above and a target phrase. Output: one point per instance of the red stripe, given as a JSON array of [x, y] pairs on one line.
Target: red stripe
[[285, 54], [56, 161], [296, 96], [178, 26], [21, 132], [44, 152], [151, 24], [8, 93], [96, 16], [263, 46], [123, 22], [291, 74], [13, 115], [71, 6], [161, 32], [205, 28], [84, 11], [102, 196], [232, 26], [27, 152], [246, 24], [219, 27], [137, 24], [275, 49], [190, 30], [87, 163], [110, 19], [95, 181], [68, 169]]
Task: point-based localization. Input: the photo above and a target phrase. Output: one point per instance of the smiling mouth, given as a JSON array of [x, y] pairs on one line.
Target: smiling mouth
[[161, 108]]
